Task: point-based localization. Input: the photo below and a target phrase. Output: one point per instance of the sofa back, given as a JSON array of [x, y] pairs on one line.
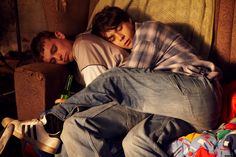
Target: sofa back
[[224, 50]]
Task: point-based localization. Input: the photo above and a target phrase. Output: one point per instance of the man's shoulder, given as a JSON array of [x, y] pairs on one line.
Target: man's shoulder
[[86, 41], [149, 26], [154, 27], [88, 37], [149, 23]]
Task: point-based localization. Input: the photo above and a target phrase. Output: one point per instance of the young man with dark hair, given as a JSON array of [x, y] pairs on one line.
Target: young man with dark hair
[[189, 83], [92, 54], [157, 48], [171, 81]]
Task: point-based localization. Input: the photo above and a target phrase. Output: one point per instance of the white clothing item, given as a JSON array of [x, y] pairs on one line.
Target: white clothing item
[[91, 72], [95, 55]]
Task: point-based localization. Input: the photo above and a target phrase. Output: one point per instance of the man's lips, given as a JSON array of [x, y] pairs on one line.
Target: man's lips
[[66, 57], [127, 42]]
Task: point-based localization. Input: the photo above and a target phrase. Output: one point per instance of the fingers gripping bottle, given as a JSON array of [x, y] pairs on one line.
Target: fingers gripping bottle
[[66, 91]]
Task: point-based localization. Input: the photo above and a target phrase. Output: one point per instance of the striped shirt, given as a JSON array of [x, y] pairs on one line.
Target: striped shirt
[[158, 47]]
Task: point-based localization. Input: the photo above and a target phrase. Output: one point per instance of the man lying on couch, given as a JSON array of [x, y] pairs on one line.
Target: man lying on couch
[[169, 69], [54, 47]]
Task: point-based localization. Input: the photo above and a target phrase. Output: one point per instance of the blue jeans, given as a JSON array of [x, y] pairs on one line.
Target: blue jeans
[[152, 136], [158, 92], [99, 131]]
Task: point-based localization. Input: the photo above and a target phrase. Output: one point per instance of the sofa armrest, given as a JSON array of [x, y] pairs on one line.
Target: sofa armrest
[[37, 85]]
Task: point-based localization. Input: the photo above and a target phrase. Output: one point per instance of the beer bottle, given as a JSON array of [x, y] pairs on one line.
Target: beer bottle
[[66, 91]]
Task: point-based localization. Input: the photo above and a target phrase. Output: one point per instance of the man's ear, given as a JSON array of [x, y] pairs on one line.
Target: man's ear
[[60, 35]]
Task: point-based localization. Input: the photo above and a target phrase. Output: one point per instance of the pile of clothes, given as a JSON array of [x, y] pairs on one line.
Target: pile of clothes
[[211, 143]]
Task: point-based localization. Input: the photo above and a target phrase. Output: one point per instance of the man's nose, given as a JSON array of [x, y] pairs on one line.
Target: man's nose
[[121, 36], [59, 57]]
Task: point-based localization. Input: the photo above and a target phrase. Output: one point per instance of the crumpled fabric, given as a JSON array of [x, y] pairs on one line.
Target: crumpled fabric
[[209, 143]]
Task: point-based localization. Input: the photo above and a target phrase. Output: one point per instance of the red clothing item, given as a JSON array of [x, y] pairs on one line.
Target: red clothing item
[[230, 126], [233, 105], [202, 152], [229, 102]]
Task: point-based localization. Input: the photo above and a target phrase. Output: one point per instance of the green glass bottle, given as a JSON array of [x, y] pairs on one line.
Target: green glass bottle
[[66, 92]]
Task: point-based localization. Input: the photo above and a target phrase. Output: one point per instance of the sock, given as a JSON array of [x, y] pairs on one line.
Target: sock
[[53, 125]]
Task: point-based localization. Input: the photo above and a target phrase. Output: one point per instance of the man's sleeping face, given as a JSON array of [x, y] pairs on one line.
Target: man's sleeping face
[[122, 35], [57, 51]]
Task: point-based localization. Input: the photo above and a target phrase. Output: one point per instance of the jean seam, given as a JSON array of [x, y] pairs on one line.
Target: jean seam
[[90, 140], [104, 109], [92, 144], [96, 112]]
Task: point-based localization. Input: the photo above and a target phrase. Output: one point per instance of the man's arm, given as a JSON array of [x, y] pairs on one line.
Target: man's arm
[[94, 56], [91, 72], [157, 46]]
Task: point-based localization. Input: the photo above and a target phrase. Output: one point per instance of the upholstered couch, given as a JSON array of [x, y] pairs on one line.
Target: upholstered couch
[[37, 85]]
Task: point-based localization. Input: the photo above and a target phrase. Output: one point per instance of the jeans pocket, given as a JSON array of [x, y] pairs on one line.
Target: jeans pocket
[[188, 85]]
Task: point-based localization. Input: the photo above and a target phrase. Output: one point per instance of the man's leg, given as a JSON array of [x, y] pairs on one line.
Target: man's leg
[[156, 92], [62, 152], [99, 131], [152, 136]]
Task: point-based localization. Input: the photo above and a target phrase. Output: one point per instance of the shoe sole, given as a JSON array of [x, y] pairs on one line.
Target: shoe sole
[[38, 144]]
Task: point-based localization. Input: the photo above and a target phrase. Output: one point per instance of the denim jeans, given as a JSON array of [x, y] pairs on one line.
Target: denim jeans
[[158, 92], [152, 136], [99, 131]]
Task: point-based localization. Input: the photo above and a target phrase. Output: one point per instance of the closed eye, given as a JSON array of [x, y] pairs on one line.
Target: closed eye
[[53, 49], [53, 60], [111, 38]]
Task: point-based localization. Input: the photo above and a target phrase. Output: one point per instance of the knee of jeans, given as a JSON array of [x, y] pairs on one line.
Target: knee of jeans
[[68, 127], [129, 141], [114, 72]]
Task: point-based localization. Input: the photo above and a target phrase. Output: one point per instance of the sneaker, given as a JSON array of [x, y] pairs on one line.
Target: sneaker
[[33, 132], [5, 136]]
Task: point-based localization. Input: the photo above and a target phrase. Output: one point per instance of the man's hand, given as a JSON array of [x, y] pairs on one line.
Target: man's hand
[[59, 101]]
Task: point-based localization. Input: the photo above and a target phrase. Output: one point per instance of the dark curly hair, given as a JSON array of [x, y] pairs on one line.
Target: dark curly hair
[[107, 19]]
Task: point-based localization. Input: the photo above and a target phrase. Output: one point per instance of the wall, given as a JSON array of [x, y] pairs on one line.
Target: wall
[[39, 15], [7, 26], [224, 54]]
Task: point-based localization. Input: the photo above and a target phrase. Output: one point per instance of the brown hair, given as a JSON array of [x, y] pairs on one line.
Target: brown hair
[[109, 18], [37, 44]]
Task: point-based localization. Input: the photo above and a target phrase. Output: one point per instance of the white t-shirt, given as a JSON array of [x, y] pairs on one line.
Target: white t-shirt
[[95, 56]]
